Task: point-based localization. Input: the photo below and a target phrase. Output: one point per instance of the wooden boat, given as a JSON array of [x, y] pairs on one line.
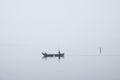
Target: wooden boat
[[53, 55]]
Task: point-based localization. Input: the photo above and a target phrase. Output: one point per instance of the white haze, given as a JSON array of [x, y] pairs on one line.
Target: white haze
[[71, 25]]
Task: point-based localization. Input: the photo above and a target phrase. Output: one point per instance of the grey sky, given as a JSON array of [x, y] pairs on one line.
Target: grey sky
[[60, 23]]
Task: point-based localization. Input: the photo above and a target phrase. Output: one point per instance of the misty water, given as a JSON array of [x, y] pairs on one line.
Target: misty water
[[27, 63]]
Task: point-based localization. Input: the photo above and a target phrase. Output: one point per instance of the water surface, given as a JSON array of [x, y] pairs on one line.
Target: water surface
[[26, 63]]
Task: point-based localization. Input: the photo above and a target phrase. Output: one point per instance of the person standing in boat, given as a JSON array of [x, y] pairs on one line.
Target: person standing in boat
[[59, 52]]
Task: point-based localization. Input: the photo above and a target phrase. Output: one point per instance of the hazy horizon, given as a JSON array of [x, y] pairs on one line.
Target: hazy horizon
[[79, 28]]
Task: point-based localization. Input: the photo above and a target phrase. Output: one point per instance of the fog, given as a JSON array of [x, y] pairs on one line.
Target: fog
[[87, 31], [71, 25]]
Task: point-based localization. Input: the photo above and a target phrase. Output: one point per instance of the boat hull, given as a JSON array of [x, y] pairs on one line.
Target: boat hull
[[52, 55]]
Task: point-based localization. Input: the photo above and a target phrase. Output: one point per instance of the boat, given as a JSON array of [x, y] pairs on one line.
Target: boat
[[53, 55]]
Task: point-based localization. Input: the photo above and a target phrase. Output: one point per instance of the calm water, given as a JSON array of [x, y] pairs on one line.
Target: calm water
[[26, 63]]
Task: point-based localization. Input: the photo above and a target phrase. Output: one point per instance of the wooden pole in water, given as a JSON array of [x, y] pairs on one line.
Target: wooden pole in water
[[100, 50]]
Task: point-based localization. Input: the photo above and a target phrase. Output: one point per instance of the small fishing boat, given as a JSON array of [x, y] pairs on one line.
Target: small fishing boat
[[53, 55]]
